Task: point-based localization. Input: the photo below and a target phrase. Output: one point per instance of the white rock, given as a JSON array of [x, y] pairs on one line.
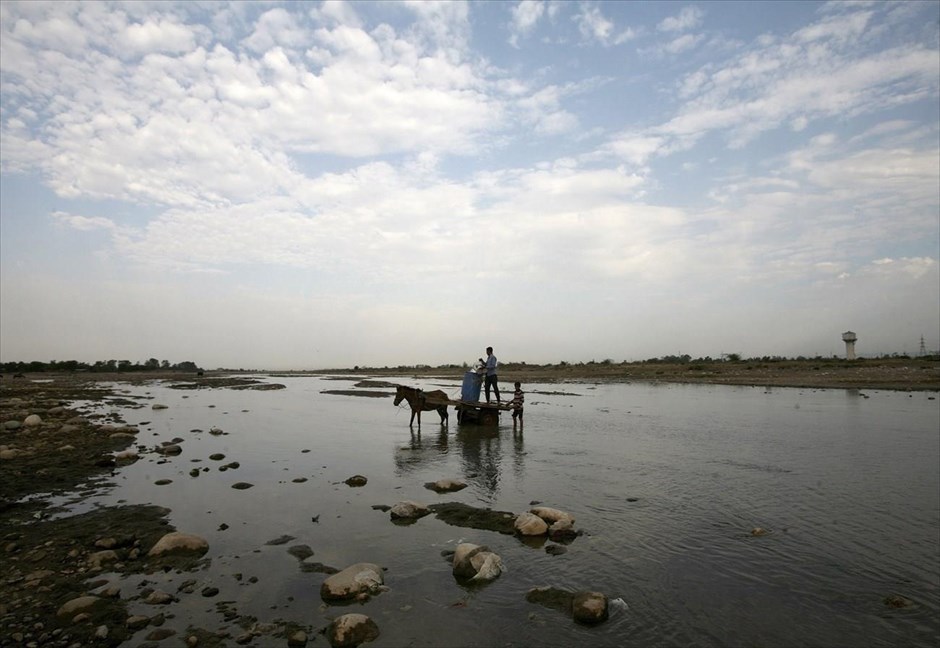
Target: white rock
[[476, 563], [408, 510], [488, 565], [179, 543], [77, 606], [351, 630], [361, 578], [551, 515], [528, 524], [32, 420], [99, 558]]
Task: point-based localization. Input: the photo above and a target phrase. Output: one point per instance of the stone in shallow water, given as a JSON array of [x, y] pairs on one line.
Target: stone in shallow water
[[179, 543], [356, 579], [351, 630], [242, 485], [589, 607], [446, 485]]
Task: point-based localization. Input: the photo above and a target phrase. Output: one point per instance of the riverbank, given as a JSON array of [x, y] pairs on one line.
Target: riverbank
[[896, 374]]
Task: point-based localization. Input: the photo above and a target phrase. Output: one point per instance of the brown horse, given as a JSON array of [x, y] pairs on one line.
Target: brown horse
[[422, 401]]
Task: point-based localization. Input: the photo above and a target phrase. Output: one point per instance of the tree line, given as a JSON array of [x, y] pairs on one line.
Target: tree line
[[100, 366]]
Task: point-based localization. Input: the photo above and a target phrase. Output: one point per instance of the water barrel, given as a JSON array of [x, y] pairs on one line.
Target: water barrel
[[470, 391]]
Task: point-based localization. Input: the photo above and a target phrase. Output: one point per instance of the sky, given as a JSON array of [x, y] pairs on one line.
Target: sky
[[317, 185]]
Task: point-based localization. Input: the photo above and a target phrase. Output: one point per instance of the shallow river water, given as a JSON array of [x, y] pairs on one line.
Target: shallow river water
[[665, 481]]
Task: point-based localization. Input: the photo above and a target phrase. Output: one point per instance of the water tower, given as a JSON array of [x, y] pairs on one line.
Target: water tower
[[849, 338]]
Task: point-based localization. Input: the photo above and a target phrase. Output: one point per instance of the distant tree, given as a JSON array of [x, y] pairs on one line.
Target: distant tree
[[152, 363], [123, 365]]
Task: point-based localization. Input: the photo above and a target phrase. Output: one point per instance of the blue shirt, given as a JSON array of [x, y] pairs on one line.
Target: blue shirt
[[491, 365]]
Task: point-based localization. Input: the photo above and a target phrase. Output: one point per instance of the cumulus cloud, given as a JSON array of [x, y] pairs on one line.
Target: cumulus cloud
[[688, 18], [525, 16], [594, 26]]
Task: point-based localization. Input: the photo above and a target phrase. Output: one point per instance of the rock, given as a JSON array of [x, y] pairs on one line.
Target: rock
[[897, 601], [9, 453], [356, 480], [33, 420], [67, 447], [551, 597], [215, 431], [284, 539], [179, 543], [555, 550], [351, 630], [136, 622], [551, 515], [158, 406], [158, 597], [300, 552], [170, 450], [589, 607], [476, 563], [408, 510], [99, 558], [361, 578], [38, 575], [11, 425], [209, 592], [529, 524], [101, 632], [563, 528], [218, 456], [163, 482], [68, 429], [126, 455], [446, 485], [297, 639], [160, 634], [242, 485], [76, 606], [758, 531]]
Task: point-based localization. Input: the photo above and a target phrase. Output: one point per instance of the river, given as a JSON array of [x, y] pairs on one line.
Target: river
[[666, 482]]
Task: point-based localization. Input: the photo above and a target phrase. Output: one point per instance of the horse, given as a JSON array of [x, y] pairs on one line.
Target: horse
[[422, 401]]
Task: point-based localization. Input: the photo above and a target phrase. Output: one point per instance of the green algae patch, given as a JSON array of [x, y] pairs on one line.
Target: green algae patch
[[462, 515]]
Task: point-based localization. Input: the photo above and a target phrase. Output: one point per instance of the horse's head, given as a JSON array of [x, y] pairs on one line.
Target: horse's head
[[399, 395]]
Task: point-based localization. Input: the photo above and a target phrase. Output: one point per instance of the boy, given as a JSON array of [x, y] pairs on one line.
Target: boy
[[518, 400]]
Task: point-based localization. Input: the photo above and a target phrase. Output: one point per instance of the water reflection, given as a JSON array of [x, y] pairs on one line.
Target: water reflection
[[481, 450], [421, 451]]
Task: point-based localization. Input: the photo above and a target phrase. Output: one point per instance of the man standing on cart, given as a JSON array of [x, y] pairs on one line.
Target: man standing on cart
[[490, 379]]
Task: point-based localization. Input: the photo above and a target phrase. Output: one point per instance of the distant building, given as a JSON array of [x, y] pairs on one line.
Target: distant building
[[849, 338]]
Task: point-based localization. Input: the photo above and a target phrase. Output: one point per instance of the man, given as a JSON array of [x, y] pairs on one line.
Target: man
[[490, 378]]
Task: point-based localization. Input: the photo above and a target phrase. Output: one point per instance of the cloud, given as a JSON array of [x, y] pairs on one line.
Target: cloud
[[594, 26], [525, 15], [85, 223], [688, 18], [158, 35], [820, 71]]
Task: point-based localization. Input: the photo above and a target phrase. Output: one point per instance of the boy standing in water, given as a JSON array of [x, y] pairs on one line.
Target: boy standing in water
[[518, 400]]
